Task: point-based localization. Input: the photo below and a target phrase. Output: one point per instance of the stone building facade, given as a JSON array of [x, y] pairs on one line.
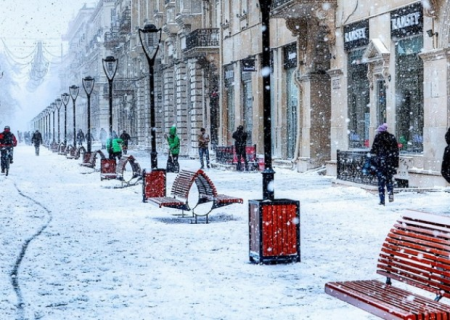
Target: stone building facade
[[338, 69]]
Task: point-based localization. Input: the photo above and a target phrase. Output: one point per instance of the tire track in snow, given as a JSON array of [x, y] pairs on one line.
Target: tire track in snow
[[14, 274]]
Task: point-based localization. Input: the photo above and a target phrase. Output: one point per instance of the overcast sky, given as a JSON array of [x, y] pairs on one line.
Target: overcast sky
[[22, 24]]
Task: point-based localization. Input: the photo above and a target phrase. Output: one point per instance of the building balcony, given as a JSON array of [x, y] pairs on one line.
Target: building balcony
[[202, 38], [301, 8], [113, 39], [125, 21]]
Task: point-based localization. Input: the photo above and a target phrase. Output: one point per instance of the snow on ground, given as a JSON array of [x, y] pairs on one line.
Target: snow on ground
[[94, 252]]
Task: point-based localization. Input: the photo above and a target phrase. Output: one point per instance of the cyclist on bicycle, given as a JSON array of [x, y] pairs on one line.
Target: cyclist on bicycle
[[8, 139]]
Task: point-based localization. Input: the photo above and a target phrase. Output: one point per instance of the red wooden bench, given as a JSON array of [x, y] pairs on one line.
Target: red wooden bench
[[92, 159], [416, 252], [207, 192], [111, 170]]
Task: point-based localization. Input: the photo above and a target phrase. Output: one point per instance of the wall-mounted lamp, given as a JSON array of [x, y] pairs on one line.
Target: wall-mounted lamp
[[431, 33]]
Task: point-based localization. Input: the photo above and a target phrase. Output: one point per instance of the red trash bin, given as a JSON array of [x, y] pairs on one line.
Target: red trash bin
[[154, 184], [274, 231], [108, 169]]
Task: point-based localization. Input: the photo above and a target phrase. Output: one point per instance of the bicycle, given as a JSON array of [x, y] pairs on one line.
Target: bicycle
[[5, 159]]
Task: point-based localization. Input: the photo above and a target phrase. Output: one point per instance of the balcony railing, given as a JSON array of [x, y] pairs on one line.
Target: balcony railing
[[349, 167], [202, 38], [279, 3]]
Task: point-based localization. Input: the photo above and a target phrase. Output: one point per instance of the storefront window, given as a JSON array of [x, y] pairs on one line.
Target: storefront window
[[359, 100], [409, 94], [291, 113]]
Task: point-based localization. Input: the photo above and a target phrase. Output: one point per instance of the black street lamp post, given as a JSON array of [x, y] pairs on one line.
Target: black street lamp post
[[110, 68], [150, 38], [53, 110], [268, 173], [88, 85], [58, 103], [274, 223], [74, 94], [49, 134], [65, 100]]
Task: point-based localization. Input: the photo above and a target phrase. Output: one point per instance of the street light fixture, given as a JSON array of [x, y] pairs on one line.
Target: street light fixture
[[150, 38], [58, 103], [88, 85], [74, 94], [65, 100], [110, 68]]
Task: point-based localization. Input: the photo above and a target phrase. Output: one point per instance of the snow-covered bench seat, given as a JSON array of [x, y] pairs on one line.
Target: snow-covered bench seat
[[416, 252], [207, 192]]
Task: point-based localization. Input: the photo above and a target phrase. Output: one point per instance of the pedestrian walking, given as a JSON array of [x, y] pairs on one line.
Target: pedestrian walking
[[240, 142], [203, 150], [8, 139], [36, 140], [114, 147], [125, 138], [385, 149], [174, 150], [445, 168], [80, 137]]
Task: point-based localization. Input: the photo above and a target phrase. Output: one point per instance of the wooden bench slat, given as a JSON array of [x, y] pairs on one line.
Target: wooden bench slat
[[399, 298], [433, 233], [344, 292], [410, 239], [387, 301]]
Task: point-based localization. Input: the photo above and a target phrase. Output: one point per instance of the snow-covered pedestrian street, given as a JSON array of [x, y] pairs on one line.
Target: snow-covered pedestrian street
[[94, 252]]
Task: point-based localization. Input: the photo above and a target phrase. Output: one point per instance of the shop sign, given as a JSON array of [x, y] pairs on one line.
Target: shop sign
[[407, 21], [248, 65], [356, 35], [290, 55], [228, 74]]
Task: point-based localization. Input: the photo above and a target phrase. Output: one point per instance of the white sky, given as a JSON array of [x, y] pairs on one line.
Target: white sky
[[104, 254], [22, 24]]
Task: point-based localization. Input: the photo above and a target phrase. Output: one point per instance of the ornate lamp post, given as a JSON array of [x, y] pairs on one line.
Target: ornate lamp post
[[110, 68], [48, 113], [53, 110], [58, 103], [74, 94], [274, 223], [88, 85], [65, 100], [150, 38]]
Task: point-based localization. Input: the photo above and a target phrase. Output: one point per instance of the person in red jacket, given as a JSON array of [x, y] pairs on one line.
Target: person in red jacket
[[8, 139]]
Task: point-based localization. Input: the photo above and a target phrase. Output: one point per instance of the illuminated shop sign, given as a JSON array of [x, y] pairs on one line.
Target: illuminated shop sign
[[356, 35], [407, 21]]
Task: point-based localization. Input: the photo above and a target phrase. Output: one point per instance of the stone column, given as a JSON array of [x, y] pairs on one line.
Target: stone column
[[436, 118]]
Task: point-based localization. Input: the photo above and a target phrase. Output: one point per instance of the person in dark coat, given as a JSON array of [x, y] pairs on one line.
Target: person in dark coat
[[8, 139], [240, 142], [125, 138], [385, 149], [445, 168], [37, 141], [80, 137]]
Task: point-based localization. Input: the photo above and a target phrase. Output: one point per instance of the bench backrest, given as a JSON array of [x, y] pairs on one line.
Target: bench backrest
[[417, 252], [205, 185], [182, 184]]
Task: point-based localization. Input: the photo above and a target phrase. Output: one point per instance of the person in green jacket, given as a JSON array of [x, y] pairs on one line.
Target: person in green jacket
[[114, 149], [174, 149]]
